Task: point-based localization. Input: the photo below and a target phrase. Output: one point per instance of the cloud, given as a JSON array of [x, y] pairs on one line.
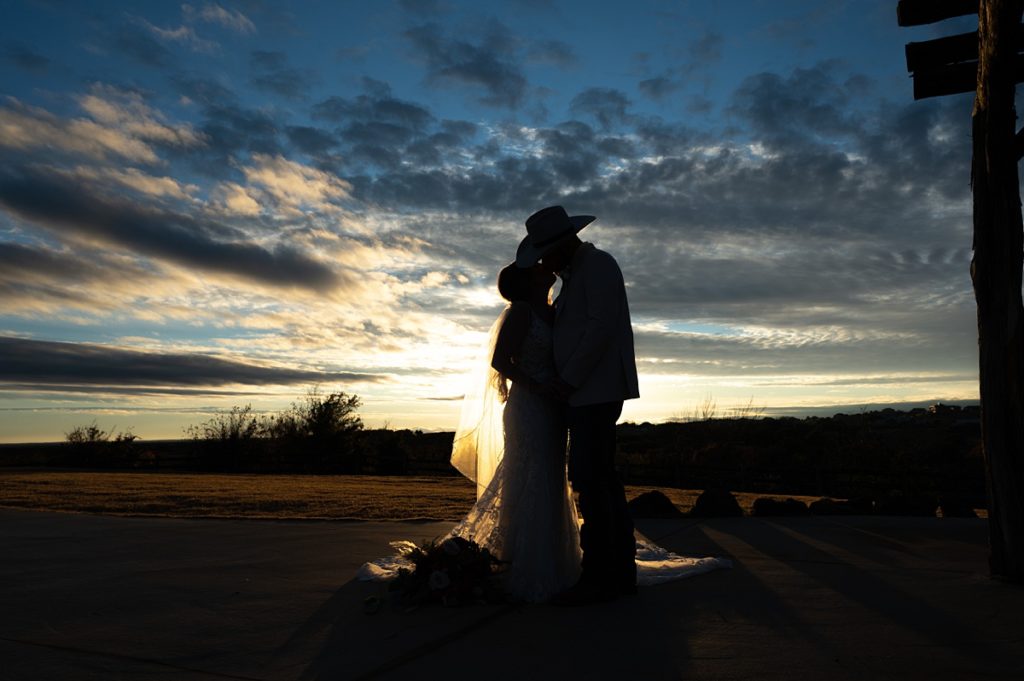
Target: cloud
[[230, 131], [707, 48], [799, 228], [127, 111], [51, 200], [137, 42], [376, 129], [489, 65], [135, 180], [235, 199], [658, 88], [376, 105], [32, 364], [184, 35], [554, 53], [810, 102], [817, 222], [215, 14], [120, 124], [38, 280], [26, 58], [272, 74], [204, 90], [309, 140], [425, 8], [294, 186], [605, 105]]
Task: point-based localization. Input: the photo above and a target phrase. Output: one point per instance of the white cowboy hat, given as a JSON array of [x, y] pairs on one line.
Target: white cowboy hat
[[545, 229]]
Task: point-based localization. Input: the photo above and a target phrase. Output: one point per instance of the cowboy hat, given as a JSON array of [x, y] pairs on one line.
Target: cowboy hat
[[545, 229]]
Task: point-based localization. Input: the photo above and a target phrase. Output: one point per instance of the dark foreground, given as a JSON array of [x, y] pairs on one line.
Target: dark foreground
[[91, 597]]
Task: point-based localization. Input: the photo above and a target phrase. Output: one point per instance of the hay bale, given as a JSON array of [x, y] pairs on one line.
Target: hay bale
[[716, 503], [767, 506], [826, 506], [653, 504]]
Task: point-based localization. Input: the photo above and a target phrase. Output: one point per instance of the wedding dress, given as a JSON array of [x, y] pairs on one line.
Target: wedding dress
[[524, 513]]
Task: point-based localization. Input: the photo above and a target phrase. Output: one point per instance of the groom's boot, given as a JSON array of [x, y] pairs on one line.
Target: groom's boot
[[585, 592]]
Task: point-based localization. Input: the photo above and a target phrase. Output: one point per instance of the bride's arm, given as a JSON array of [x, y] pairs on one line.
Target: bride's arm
[[506, 348]]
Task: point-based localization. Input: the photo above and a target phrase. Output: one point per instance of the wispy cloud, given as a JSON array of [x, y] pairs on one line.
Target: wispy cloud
[[48, 199], [489, 65], [31, 364], [183, 35], [25, 57], [215, 14], [119, 124]]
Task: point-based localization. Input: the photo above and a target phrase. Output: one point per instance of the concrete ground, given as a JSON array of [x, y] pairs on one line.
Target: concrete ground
[[91, 597]]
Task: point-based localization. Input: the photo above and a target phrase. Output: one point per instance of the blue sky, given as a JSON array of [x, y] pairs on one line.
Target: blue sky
[[212, 204]]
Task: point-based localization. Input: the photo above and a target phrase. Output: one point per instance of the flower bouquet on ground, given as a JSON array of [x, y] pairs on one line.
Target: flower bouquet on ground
[[452, 571]]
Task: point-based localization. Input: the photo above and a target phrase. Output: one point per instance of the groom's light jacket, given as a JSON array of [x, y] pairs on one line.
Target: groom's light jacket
[[593, 339]]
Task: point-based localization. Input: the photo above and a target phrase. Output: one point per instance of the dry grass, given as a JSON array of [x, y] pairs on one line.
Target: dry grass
[[194, 495], [201, 495]]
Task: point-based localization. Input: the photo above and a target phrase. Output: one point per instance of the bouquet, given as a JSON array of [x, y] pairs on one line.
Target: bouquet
[[452, 571]]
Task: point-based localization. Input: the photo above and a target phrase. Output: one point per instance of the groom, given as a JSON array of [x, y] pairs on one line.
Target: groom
[[594, 357]]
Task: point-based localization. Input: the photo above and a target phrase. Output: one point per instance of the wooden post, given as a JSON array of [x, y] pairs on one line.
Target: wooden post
[[996, 273]]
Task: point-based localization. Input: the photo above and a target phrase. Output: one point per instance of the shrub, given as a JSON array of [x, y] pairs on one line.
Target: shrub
[[231, 440], [92, 446], [321, 432]]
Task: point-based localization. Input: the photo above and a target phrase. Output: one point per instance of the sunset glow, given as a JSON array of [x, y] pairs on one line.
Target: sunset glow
[[216, 204]]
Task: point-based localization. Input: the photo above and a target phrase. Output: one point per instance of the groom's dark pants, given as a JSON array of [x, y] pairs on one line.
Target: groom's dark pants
[[609, 549]]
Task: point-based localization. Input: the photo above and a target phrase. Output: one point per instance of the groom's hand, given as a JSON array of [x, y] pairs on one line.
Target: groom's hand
[[561, 390]]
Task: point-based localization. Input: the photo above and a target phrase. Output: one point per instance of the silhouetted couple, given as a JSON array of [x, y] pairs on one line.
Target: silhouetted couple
[[555, 375], [570, 365]]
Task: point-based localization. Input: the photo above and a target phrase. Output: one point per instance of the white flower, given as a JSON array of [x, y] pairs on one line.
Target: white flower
[[439, 580]]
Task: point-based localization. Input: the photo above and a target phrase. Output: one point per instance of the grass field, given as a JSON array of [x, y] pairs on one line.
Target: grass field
[[203, 495]]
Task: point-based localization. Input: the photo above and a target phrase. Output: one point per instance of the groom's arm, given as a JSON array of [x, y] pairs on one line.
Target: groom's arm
[[604, 292]]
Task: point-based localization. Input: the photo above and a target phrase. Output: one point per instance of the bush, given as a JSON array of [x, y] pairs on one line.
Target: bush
[[321, 432], [239, 424], [231, 440], [92, 446]]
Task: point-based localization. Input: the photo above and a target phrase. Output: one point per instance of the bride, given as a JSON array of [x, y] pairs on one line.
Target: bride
[[524, 513], [511, 442]]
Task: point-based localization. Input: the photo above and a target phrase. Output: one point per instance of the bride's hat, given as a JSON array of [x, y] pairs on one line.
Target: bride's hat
[[544, 230]]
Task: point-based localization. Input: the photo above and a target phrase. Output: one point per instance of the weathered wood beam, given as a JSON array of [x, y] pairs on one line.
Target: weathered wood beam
[[955, 79], [918, 12], [948, 80], [996, 273], [952, 49], [932, 54]]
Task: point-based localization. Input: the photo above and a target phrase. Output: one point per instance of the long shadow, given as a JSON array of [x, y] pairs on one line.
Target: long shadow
[[343, 639], [738, 594], [880, 548], [340, 641], [858, 585]]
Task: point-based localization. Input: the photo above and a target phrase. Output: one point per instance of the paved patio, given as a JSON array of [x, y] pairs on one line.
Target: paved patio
[[92, 597]]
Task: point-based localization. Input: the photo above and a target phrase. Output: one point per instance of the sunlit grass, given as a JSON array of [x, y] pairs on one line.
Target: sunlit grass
[[193, 495]]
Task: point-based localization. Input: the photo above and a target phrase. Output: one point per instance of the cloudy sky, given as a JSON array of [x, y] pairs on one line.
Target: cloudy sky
[[213, 204]]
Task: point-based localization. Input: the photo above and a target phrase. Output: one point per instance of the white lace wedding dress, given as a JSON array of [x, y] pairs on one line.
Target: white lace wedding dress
[[525, 514]]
